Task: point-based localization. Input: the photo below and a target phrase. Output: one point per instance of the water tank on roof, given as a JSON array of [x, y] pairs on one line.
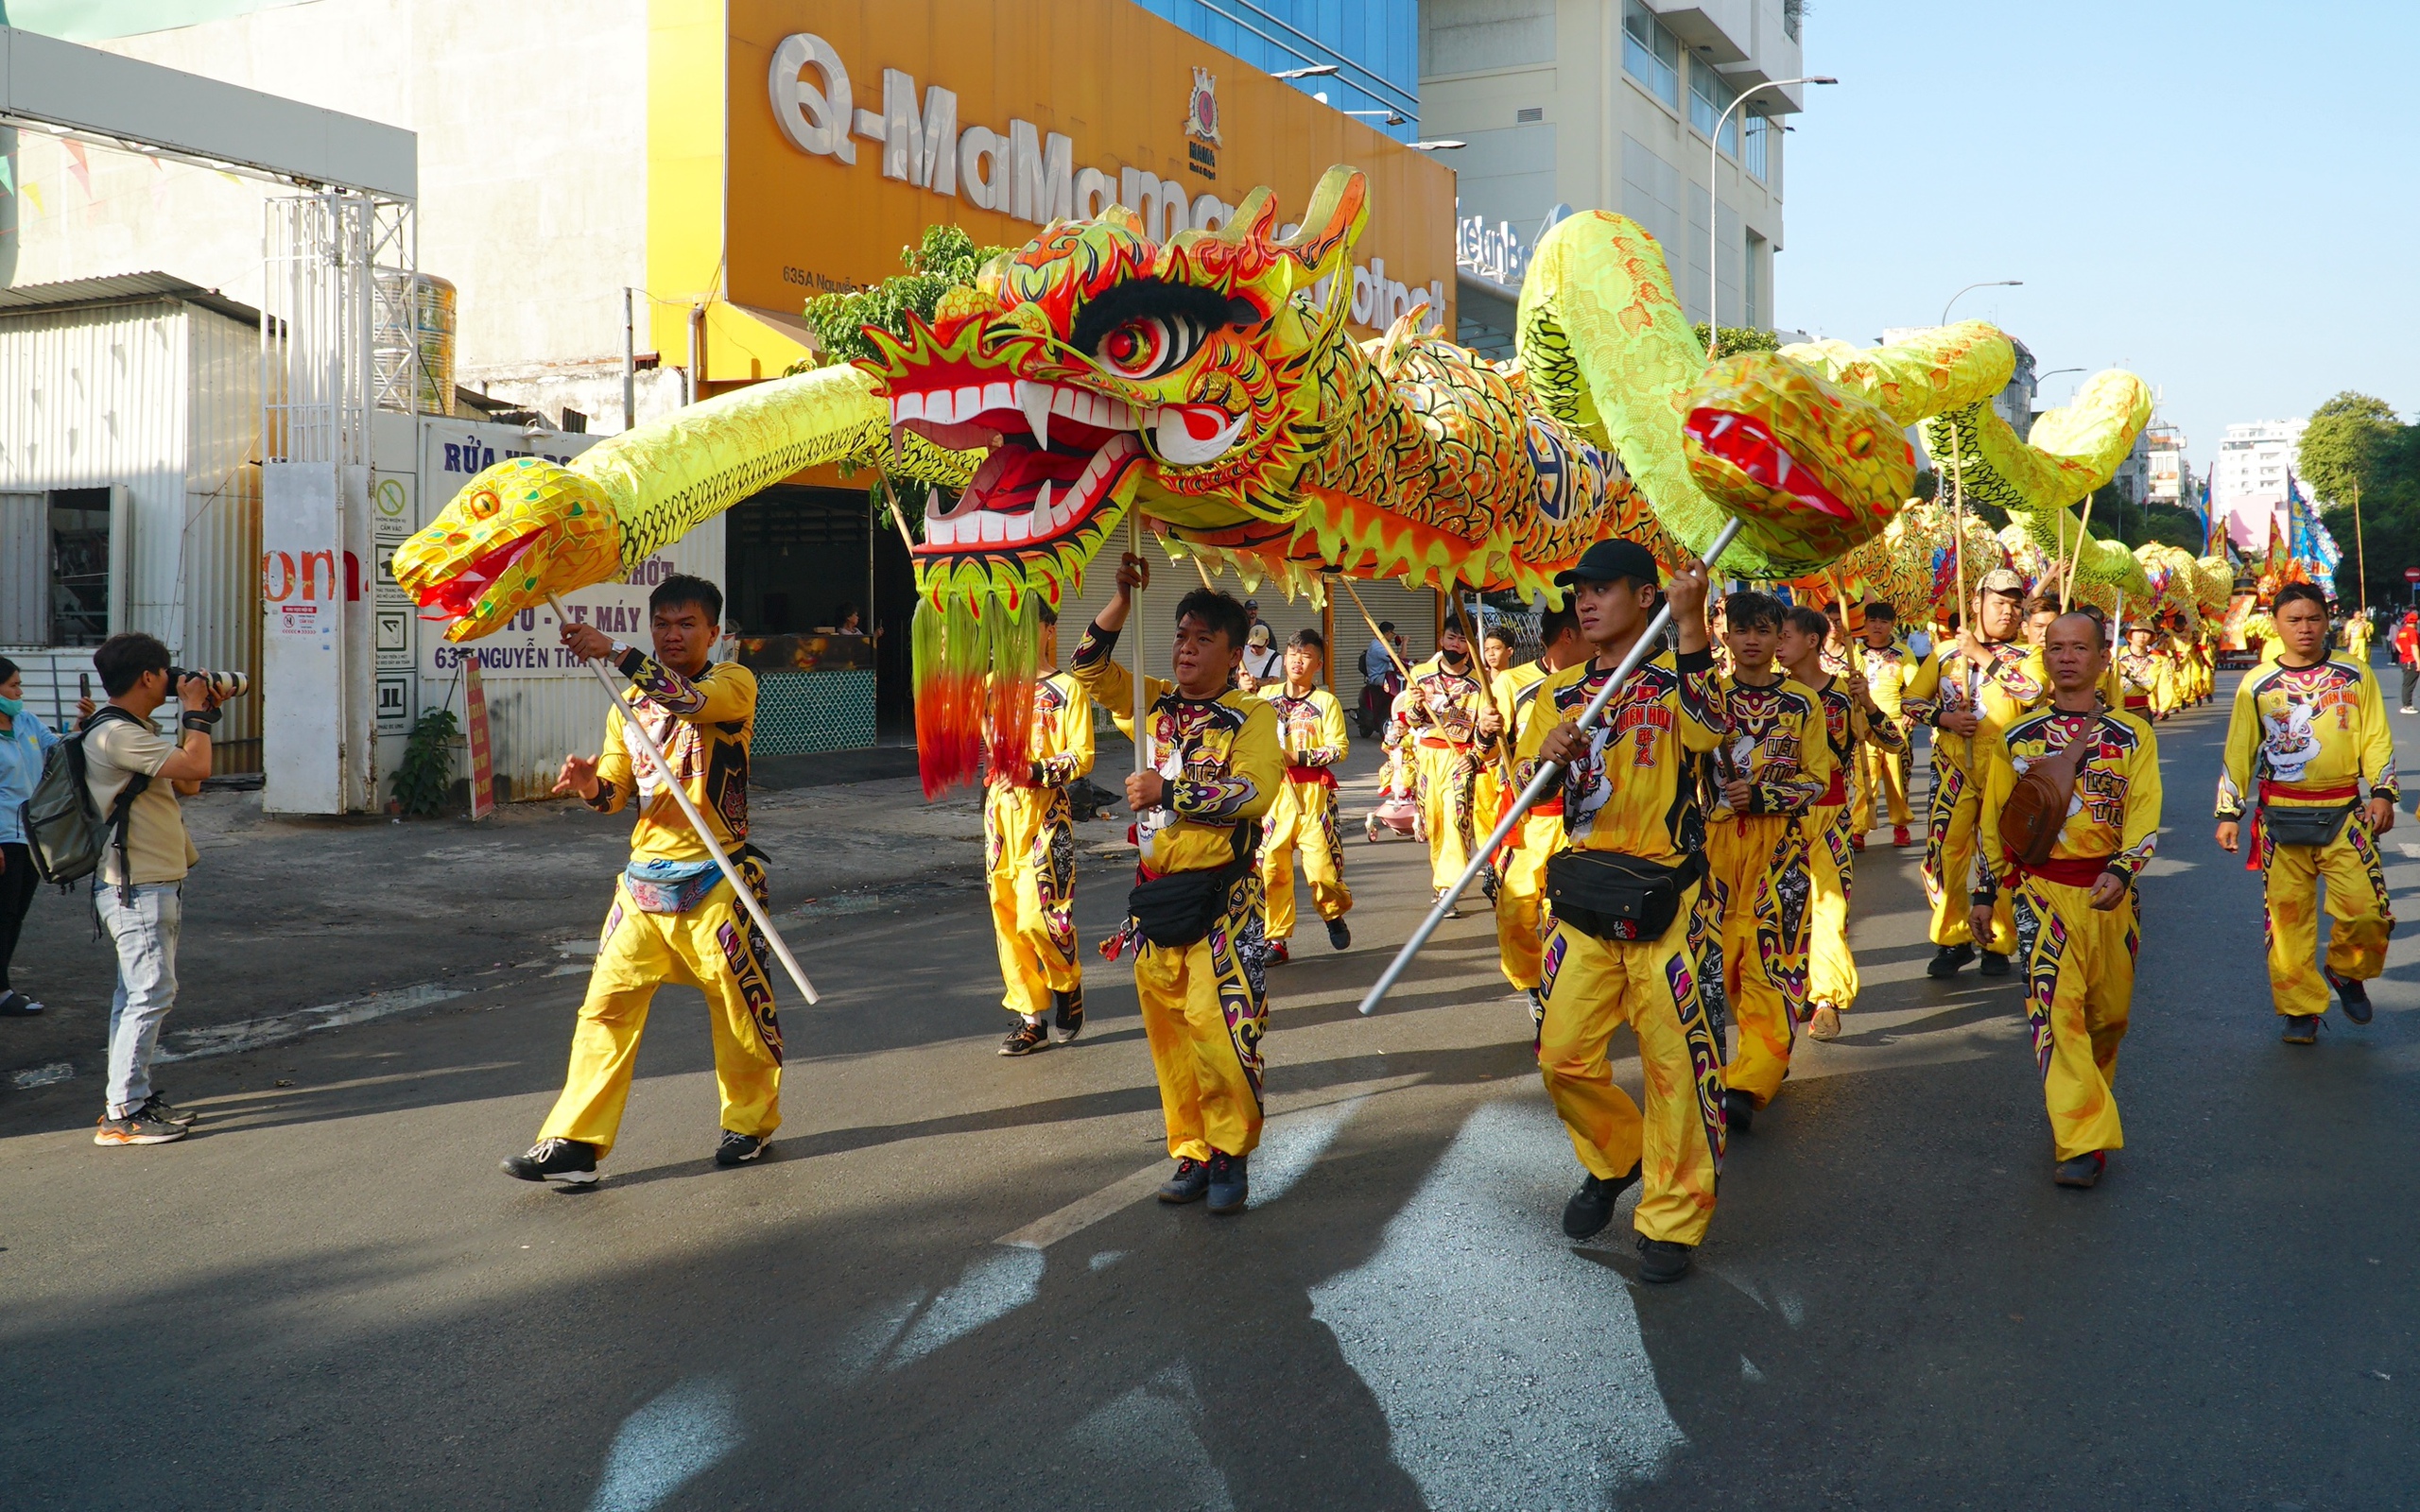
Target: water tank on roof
[[422, 325]]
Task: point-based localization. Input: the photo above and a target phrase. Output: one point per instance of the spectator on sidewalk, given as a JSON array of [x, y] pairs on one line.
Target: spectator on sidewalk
[[139, 891], [23, 738], [2407, 655]]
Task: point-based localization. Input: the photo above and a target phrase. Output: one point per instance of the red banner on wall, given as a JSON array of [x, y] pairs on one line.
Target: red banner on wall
[[475, 706]]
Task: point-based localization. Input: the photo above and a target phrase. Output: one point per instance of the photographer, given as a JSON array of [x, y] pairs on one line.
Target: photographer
[[139, 890]]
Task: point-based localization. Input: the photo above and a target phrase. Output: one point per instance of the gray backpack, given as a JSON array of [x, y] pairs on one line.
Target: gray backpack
[[65, 831]]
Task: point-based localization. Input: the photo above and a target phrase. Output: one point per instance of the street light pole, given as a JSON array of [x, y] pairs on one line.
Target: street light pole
[[1987, 283], [1714, 205]]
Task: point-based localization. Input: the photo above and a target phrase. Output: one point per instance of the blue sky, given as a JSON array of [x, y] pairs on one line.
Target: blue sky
[[2220, 196]]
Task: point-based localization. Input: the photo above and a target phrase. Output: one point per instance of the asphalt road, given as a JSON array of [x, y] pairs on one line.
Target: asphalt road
[[948, 1287]]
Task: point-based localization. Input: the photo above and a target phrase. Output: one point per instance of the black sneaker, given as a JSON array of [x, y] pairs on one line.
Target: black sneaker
[[1027, 1037], [1739, 1112], [1948, 960], [1662, 1260], [2084, 1171], [1230, 1182], [15, 1005], [138, 1127], [1339, 934], [1592, 1206], [1067, 1015], [2301, 1029], [738, 1149], [1994, 964], [1190, 1183], [568, 1162], [2352, 994], [157, 1106]]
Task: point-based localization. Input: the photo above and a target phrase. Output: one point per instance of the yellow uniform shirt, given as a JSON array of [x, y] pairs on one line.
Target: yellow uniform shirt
[[1444, 704], [1775, 737], [2306, 733], [2113, 816], [2004, 683], [703, 724], [1632, 787], [1310, 729], [1846, 726], [1220, 758], [1059, 747]]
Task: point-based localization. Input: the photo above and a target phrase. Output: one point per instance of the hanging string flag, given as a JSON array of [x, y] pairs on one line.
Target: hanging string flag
[[80, 169]]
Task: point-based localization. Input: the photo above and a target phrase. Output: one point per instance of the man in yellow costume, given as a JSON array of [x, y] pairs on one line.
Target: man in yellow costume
[[1213, 766], [1625, 876], [1852, 723], [2147, 680], [1029, 860], [1450, 729], [1520, 923], [1311, 728], [2078, 922], [1890, 668], [1979, 685], [2308, 736], [2357, 634], [1762, 782], [674, 916]]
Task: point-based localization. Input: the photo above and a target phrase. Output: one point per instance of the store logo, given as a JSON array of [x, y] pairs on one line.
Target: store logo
[[1201, 142]]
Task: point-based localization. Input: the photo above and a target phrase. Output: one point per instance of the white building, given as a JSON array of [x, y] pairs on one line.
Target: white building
[[1610, 105], [2255, 463]]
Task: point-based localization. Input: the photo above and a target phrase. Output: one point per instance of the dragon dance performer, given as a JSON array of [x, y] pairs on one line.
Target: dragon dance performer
[[674, 916], [1194, 915], [1891, 666], [2079, 920], [1968, 695], [1632, 838], [2357, 634], [1520, 924], [1763, 779], [1852, 724], [2147, 675], [1029, 860], [2308, 734], [1448, 724], [1311, 729]]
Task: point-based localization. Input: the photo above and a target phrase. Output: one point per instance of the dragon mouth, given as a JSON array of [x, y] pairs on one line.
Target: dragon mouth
[[1746, 444], [458, 596], [1060, 455]]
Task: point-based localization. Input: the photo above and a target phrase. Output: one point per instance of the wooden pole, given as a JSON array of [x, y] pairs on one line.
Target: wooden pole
[[2360, 555], [1389, 646]]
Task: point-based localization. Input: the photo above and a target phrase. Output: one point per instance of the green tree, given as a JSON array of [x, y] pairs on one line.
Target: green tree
[[944, 259], [1739, 338], [2342, 444]]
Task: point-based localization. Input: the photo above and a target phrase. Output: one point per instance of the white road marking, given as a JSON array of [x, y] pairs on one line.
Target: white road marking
[[1087, 1211], [32, 1076], [250, 1034], [1574, 1417], [667, 1443], [995, 1283]]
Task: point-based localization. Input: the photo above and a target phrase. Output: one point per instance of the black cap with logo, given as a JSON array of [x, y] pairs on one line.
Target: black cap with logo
[[1609, 561]]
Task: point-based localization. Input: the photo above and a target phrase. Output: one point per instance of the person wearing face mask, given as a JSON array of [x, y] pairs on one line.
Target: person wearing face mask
[[24, 739], [2078, 920], [1451, 727], [1213, 768], [1986, 677]]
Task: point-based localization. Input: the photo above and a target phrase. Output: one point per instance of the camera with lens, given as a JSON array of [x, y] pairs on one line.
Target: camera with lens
[[225, 687]]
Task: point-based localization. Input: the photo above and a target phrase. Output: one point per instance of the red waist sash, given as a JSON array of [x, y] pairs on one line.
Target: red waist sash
[[1321, 775], [2067, 871]]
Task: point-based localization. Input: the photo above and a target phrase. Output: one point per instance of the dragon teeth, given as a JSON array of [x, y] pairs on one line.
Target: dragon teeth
[[907, 406], [1035, 399]]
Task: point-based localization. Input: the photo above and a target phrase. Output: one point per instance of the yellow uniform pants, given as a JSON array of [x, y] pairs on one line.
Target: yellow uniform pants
[[1831, 971], [2357, 901], [1521, 922], [1883, 772], [1950, 860], [1757, 902], [713, 948], [2078, 972], [1204, 1009], [1303, 820], [1030, 870], [1448, 780], [1594, 986]]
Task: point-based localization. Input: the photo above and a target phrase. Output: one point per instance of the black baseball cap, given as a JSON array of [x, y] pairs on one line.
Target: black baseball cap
[[1609, 561]]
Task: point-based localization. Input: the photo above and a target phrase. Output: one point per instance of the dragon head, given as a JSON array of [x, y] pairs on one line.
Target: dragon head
[[1098, 366], [1810, 469], [518, 531]]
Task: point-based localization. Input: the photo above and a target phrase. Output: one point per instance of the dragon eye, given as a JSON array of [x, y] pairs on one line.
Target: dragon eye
[[1150, 346], [1861, 443]]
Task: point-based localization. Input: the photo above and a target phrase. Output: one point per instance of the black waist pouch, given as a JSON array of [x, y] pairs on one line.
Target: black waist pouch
[[1616, 897], [1179, 909], [2305, 826]]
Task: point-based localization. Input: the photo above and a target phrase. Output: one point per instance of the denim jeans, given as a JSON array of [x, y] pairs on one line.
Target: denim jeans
[[145, 932]]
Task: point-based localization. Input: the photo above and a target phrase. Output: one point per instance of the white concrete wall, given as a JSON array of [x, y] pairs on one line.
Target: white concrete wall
[[533, 126]]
